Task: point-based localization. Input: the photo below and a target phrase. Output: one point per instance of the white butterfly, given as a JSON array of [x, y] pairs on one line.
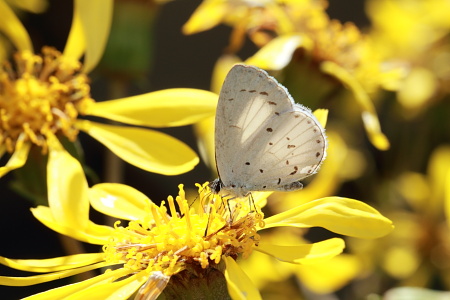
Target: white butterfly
[[264, 141]]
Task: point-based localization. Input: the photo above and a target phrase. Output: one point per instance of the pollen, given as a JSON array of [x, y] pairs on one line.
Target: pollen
[[175, 235], [41, 95]]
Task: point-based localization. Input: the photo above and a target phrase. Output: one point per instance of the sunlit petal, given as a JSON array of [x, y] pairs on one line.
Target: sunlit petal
[[34, 6], [221, 69], [119, 200], [439, 177], [147, 149], [92, 233], [120, 289], [89, 31], [96, 17], [306, 253], [165, 108], [239, 284], [53, 264], [204, 131], [341, 215], [18, 158], [72, 289], [278, 52], [30, 280], [11, 26], [322, 116], [369, 115], [76, 42], [329, 275], [206, 16], [67, 188]]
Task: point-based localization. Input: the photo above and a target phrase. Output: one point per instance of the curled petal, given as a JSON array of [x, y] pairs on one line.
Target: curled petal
[[119, 200], [165, 108], [146, 149], [239, 284], [369, 115], [18, 158], [208, 15], [89, 31], [304, 254], [53, 264], [341, 215], [278, 52], [11, 26]]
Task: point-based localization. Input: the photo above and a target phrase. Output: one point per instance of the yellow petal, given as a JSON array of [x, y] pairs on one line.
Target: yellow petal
[[239, 284], [204, 131], [92, 233], [18, 158], [221, 69], [30, 280], [278, 52], [341, 215], [418, 87], [165, 108], [439, 177], [304, 254], [53, 264], [120, 289], [330, 275], [146, 149], [119, 200], [89, 32], [369, 115], [206, 16], [96, 17], [67, 189], [322, 116], [72, 289], [34, 6], [11, 26], [76, 43]]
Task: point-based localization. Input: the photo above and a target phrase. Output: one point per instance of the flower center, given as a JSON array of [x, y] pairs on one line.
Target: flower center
[[40, 95], [168, 243]]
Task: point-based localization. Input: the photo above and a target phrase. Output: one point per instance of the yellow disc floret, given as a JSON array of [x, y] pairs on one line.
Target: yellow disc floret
[[40, 95], [197, 236]]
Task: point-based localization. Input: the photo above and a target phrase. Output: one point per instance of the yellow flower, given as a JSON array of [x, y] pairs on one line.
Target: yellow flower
[[43, 96], [416, 37], [301, 34], [416, 252], [175, 240]]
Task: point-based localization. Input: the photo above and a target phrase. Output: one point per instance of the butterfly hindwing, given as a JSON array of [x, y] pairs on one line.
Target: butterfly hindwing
[[264, 141]]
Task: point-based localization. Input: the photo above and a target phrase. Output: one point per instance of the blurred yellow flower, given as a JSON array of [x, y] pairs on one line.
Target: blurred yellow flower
[[301, 34], [415, 37], [418, 249], [43, 96], [163, 242]]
